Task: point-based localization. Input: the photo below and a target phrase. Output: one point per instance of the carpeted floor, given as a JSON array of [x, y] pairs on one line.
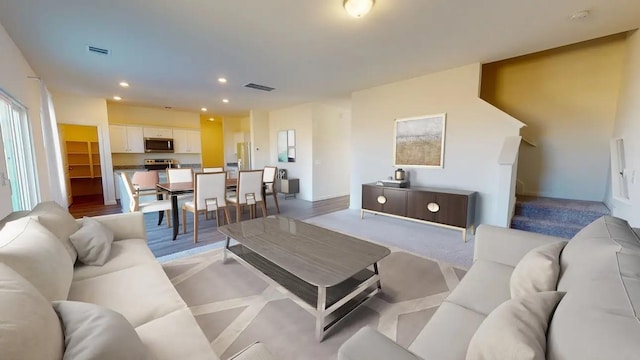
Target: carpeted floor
[[236, 307]]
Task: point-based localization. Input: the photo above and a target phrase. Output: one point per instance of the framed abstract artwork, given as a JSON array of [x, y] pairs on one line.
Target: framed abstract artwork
[[419, 141]]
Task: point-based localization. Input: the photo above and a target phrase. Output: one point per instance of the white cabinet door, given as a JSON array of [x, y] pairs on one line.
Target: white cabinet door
[[161, 133], [126, 139], [186, 141], [118, 136], [135, 139]]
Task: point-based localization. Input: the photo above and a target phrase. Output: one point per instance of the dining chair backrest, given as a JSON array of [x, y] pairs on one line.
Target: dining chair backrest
[[249, 182], [179, 175], [145, 179], [212, 169], [210, 190], [128, 187], [269, 174]]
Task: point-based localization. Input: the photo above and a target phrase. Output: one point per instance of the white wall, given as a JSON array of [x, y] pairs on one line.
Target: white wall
[[260, 142], [82, 110], [14, 79], [475, 132], [300, 119], [627, 126], [331, 151]]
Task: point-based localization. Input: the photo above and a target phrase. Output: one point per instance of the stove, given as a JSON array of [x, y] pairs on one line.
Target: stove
[[158, 164]]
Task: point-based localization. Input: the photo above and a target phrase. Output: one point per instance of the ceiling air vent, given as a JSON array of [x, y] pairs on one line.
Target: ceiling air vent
[[97, 50], [259, 87]]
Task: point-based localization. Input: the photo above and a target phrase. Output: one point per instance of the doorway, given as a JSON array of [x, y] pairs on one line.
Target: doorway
[[81, 161]]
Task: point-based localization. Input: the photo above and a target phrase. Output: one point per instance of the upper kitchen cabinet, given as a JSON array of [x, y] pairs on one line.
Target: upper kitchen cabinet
[[159, 133], [126, 139], [186, 141]]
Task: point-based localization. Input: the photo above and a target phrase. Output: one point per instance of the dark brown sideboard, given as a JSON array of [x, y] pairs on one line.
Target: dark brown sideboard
[[437, 206]]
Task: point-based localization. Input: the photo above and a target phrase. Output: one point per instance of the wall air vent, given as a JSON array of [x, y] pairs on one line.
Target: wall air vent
[[97, 50], [259, 87]]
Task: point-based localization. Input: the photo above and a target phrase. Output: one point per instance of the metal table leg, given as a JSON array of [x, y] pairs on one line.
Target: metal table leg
[[174, 212], [322, 304]]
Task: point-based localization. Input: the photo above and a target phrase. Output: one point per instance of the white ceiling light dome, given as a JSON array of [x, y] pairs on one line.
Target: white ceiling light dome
[[358, 8]]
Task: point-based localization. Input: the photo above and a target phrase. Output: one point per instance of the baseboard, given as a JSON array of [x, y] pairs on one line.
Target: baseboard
[[327, 197]]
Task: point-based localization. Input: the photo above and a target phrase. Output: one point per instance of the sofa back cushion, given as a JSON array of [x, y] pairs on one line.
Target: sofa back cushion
[[29, 329], [35, 253], [57, 220], [600, 273]]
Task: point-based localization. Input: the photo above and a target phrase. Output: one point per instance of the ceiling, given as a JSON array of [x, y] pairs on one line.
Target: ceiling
[[172, 52]]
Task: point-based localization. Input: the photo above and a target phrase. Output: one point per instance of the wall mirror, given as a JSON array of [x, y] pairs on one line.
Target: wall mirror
[[287, 146]]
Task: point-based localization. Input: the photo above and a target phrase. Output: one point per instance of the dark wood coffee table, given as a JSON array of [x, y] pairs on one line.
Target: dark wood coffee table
[[328, 271]]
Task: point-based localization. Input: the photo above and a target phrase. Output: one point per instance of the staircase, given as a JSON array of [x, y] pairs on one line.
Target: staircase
[[557, 217]]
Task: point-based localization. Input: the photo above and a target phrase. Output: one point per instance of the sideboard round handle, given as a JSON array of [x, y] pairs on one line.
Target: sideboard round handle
[[433, 207], [381, 199]]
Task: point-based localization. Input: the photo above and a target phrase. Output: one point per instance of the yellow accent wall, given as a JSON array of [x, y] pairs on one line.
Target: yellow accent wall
[[79, 133], [567, 97], [212, 137]]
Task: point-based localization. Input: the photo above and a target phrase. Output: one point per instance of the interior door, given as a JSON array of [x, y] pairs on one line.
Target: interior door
[[65, 165], [5, 184]]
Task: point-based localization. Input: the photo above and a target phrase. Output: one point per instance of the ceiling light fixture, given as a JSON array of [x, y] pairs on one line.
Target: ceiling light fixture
[[212, 119], [222, 80], [204, 109], [124, 84], [578, 15], [225, 100], [358, 8], [117, 98]]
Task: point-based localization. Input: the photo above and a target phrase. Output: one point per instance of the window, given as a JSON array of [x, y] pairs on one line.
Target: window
[[19, 153], [619, 175]]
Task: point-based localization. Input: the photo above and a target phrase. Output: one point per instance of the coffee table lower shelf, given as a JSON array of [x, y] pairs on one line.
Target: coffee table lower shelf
[[328, 304]]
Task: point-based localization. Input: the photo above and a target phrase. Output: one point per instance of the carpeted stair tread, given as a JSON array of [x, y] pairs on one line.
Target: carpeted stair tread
[[545, 226]]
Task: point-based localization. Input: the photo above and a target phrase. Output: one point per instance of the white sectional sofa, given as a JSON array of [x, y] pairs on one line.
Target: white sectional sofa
[[595, 319], [131, 283]]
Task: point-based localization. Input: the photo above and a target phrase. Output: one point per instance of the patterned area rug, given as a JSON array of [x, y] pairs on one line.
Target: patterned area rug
[[235, 307]]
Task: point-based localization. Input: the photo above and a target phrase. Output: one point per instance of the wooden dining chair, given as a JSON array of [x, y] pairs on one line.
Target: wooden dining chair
[[212, 169], [269, 178], [145, 207], [209, 195], [144, 184], [248, 193], [175, 175]]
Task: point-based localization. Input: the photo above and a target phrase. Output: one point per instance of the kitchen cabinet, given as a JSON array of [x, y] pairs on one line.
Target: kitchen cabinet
[[449, 208], [126, 139], [158, 133], [186, 141]]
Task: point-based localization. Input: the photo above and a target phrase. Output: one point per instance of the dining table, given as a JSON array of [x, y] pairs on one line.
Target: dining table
[[180, 188]]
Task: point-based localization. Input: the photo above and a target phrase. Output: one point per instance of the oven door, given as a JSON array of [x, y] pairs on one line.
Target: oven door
[[156, 145]]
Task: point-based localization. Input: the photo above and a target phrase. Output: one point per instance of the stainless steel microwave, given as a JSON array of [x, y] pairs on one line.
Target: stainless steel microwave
[[157, 145]]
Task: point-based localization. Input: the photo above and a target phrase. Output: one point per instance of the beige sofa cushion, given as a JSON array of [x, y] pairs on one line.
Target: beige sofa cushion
[[124, 254], [141, 293], [447, 334], [537, 271], [597, 318], [176, 336], [516, 329], [484, 287], [29, 328], [57, 220], [36, 254], [97, 333]]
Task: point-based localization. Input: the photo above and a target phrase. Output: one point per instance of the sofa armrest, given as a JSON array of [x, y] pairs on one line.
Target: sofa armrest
[[124, 226], [368, 344], [507, 246]]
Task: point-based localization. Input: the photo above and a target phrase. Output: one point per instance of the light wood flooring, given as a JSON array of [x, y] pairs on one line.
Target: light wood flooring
[[159, 236]]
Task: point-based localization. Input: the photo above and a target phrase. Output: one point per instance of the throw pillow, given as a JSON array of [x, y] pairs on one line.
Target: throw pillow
[[97, 333], [516, 329], [57, 220], [29, 328], [92, 242], [537, 271], [34, 252]]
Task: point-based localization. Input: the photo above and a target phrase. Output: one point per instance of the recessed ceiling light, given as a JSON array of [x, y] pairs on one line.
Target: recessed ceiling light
[[578, 15], [222, 80], [212, 119], [124, 84], [204, 109], [117, 98], [225, 100]]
